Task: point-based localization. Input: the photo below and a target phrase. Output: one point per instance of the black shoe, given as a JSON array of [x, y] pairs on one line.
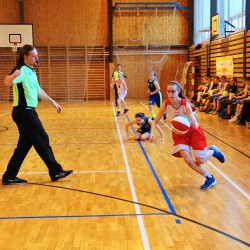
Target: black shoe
[[164, 117], [61, 175], [15, 181], [125, 111]]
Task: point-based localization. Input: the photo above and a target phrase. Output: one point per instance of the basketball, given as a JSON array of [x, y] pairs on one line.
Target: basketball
[[180, 124]]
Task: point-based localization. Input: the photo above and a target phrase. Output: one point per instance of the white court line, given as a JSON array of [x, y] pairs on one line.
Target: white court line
[[132, 188], [230, 181], [4, 114], [244, 193], [77, 172]]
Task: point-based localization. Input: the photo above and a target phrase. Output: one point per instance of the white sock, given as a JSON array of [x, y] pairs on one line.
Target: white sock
[[207, 175]]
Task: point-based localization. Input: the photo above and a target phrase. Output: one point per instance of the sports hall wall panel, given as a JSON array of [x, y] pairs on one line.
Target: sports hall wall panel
[[137, 68], [233, 45], [9, 11], [150, 27], [68, 23], [145, 40], [248, 54], [182, 2]]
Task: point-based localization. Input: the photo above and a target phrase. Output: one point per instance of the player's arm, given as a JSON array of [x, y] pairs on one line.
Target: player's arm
[[127, 125], [9, 79], [157, 86], [242, 91], [211, 86], [125, 86], [125, 75], [158, 128], [245, 93], [45, 97], [189, 113], [160, 132]]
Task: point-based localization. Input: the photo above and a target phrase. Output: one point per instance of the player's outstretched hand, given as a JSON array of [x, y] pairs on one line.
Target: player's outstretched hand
[[151, 137]]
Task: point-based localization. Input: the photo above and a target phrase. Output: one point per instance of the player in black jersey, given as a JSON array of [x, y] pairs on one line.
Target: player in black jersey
[[143, 131]]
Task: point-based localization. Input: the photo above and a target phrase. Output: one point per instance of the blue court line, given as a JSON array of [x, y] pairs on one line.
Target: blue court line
[[78, 216], [163, 191]]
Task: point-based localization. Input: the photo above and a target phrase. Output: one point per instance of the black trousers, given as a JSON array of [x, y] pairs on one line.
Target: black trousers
[[31, 133], [116, 94]]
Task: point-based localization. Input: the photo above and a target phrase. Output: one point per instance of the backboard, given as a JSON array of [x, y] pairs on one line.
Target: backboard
[[20, 34], [215, 25]]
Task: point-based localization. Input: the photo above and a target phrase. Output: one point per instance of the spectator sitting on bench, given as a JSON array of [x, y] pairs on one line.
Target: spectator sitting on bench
[[240, 103], [214, 88], [233, 98], [223, 87], [203, 93]]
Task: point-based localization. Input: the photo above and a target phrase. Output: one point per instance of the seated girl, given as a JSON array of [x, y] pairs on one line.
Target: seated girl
[[143, 131]]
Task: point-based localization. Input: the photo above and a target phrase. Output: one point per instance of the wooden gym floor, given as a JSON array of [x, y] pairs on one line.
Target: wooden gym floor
[[120, 194]]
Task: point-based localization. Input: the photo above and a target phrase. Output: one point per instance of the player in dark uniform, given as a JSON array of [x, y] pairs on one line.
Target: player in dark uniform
[[154, 92], [143, 131]]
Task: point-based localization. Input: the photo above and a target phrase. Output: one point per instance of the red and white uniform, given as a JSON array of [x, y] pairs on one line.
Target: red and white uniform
[[194, 138]]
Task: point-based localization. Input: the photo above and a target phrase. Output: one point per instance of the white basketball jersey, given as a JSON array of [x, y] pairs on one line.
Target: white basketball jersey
[[121, 88], [173, 112]]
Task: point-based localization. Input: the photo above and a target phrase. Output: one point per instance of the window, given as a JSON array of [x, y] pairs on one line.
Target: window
[[201, 20], [233, 11]]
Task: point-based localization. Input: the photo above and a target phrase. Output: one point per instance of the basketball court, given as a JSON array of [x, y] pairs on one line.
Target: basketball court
[[123, 194]]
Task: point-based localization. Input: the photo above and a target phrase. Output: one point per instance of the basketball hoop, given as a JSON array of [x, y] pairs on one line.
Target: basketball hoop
[[14, 46]]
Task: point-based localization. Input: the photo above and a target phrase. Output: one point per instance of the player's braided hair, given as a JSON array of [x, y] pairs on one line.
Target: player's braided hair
[[24, 51]]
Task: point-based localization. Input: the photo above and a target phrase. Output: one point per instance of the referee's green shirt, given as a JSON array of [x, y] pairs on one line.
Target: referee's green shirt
[[25, 88]]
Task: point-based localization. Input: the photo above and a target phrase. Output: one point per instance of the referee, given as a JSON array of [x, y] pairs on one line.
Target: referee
[[26, 91]]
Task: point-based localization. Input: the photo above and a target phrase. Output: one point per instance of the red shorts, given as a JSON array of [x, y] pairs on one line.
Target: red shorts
[[194, 138]]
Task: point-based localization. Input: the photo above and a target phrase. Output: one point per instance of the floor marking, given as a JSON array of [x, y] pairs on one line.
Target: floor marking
[[163, 191], [4, 114], [132, 188], [230, 181], [79, 216], [148, 206], [76, 172]]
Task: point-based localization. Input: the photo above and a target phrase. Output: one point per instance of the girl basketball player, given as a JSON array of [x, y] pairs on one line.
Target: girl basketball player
[[122, 92], [194, 138], [144, 124], [154, 92]]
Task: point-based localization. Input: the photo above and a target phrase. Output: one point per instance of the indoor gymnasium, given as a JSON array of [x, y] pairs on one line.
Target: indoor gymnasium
[[125, 124]]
